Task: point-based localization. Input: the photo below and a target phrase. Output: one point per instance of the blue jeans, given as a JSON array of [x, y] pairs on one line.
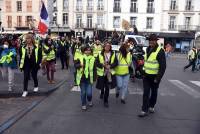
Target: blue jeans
[[86, 91], [122, 84]]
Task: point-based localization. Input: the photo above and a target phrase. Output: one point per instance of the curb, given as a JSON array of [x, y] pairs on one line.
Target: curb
[[11, 121], [6, 94]]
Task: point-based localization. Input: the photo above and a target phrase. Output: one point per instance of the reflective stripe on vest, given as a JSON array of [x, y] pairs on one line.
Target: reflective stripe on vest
[[97, 50], [50, 55], [23, 56], [123, 66], [100, 71], [80, 71], [151, 65]]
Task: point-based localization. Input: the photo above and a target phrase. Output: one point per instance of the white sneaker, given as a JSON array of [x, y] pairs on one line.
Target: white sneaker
[[151, 110], [35, 89], [90, 103], [24, 94], [84, 108], [10, 89]]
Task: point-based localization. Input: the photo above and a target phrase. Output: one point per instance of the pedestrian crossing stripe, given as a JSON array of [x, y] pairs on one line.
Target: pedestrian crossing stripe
[[139, 91], [76, 89], [197, 83], [187, 89]]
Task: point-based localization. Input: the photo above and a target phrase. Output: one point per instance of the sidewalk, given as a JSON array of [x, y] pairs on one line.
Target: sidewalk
[[44, 87]]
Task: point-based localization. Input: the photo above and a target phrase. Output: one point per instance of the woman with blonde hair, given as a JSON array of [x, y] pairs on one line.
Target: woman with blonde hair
[[30, 59]]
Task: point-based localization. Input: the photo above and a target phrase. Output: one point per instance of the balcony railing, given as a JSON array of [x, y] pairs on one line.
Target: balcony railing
[[79, 8], [100, 26], [189, 8], [150, 10], [116, 9], [189, 28], [79, 25], [89, 8], [89, 26], [100, 8], [133, 10], [173, 8], [172, 27], [55, 9], [65, 8]]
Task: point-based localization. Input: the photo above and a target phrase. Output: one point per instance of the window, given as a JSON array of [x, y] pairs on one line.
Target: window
[[65, 5], [149, 23], [89, 21], [79, 5], [116, 22], [133, 21], [188, 5], [100, 5], [172, 23], [29, 6], [19, 6], [150, 6], [133, 6], [187, 22], [89, 4], [8, 6], [65, 18], [55, 19], [99, 20], [29, 20], [9, 21], [79, 21], [54, 5], [116, 6], [173, 5], [19, 21]]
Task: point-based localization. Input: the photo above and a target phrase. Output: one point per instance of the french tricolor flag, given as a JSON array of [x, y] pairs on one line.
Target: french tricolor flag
[[44, 20]]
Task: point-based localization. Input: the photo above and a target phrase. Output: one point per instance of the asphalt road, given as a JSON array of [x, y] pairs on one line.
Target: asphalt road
[[177, 110]]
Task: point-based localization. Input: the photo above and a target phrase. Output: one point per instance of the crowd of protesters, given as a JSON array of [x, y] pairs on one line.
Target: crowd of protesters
[[94, 62]]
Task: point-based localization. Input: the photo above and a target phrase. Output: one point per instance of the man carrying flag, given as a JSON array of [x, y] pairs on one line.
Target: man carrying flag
[[44, 20]]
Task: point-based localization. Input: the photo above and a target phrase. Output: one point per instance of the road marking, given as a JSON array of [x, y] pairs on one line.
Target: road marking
[[196, 83], [186, 88], [76, 89]]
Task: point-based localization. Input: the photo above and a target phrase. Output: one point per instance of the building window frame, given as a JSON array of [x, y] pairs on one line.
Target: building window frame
[[19, 21], [19, 6], [78, 21], [173, 5], [117, 6], [149, 24], [65, 19], [89, 21], [116, 22], [9, 21], [133, 21], [133, 7], [100, 5], [65, 5], [172, 22]]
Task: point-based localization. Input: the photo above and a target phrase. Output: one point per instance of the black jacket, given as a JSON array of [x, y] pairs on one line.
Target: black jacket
[[63, 49], [161, 60], [100, 79]]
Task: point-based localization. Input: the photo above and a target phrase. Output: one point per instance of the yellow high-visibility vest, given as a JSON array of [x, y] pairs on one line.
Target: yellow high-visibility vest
[[151, 65]]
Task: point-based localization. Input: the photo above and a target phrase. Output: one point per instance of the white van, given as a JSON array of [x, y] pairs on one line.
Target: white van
[[140, 40]]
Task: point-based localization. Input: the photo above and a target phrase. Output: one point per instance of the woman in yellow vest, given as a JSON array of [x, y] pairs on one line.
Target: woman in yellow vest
[[106, 62], [49, 55], [85, 75], [122, 71], [30, 59]]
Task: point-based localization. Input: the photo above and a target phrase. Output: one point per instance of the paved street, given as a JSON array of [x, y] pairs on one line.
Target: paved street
[[177, 110]]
